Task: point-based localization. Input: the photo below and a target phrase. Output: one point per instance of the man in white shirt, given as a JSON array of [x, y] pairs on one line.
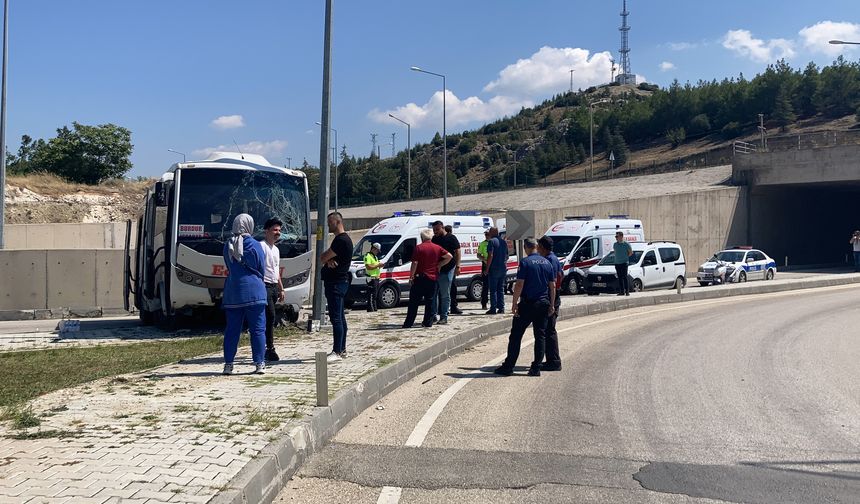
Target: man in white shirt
[[272, 279]]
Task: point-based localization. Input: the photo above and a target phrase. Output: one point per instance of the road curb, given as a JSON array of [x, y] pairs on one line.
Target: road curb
[[263, 478]]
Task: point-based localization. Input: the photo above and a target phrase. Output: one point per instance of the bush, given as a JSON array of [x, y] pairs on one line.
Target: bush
[[676, 136], [732, 130], [700, 124], [644, 86]]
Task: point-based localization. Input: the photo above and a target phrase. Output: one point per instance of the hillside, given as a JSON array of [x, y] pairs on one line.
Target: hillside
[[42, 198]]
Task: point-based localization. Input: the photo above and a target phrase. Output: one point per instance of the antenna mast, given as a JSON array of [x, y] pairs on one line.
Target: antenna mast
[[626, 76], [373, 141]]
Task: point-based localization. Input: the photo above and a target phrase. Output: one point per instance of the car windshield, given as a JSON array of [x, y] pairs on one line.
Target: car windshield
[[211, 198], [609, 260], [563, 245], [729, 256], [363, 246]]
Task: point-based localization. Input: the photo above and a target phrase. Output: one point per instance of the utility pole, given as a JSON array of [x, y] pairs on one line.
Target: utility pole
[[316, 319], [763, 132], [3, 126], [571, 80]]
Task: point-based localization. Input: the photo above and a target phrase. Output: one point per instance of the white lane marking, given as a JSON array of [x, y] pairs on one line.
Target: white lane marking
[[389, 495]]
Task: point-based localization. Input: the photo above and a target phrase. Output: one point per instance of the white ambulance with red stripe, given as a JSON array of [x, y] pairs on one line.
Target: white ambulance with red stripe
[[580, 242], [398, 237]]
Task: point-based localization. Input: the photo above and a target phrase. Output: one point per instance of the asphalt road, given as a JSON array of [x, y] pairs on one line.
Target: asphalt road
[[748, 399]]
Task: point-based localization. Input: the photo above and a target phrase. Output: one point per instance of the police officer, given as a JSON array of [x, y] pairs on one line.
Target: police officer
[[553, 357], [533, 303], [373, 268]]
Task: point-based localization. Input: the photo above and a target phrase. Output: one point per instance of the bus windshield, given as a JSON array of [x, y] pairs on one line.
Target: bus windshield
[[210, 198]]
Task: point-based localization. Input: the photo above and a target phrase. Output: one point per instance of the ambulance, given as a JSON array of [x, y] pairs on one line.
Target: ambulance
[[582, 241], [398, 236]]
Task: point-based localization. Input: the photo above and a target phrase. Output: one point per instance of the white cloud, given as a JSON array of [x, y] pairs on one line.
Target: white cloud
[[666, 66], [228, 122], [458, 112], [743, 43], [273, 148], [548, 71], [816, 37]]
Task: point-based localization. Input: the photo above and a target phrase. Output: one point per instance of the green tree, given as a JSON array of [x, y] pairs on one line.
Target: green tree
[[86, 154], [783, 111], [676, 136]]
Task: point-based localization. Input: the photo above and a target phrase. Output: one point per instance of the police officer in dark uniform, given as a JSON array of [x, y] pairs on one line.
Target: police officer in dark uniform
[[533, 303], [553, 357]]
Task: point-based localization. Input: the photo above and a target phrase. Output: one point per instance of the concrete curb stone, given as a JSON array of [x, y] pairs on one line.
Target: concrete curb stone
[[267, 474]]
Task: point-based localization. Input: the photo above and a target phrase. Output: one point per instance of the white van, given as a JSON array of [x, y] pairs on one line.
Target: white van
[[581, 241], [398, 237], [653, 265]]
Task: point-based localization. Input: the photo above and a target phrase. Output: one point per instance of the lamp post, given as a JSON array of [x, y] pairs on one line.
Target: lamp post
[[408, 156], [444, 141], [591, 132], [177, 152], [3, 125], [318, 313], [843, 42], [334, 162]]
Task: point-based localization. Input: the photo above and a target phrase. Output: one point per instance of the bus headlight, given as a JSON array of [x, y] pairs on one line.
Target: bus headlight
[[297, 279]]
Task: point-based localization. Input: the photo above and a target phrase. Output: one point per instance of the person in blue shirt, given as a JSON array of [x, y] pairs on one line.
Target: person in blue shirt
[[497, 271], [553, 357], [533, 304], [623, 251], [244, 296]]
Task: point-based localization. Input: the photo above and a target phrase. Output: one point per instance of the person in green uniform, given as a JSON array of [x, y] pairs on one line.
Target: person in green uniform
[[373, 268], [483, 256]]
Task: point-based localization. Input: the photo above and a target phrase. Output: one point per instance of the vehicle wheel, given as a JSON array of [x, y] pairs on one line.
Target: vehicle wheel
[[742, 277], [389, 296], [637, 285], [704, 284], [570, 285], [475, 289], [769, 275], [146, 317], [679, 279]]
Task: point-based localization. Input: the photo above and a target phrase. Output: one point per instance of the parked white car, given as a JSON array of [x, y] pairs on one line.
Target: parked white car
[[737, 264], [653, 265]]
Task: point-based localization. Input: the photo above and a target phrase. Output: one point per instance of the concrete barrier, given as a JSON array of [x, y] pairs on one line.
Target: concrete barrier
[[263, 478], [24, 276], [89, 235]]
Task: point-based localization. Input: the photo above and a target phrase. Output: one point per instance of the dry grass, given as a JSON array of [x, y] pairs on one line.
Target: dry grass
[[50, 185]]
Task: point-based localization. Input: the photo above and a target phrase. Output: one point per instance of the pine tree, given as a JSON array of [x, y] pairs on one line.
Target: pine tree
[[783, 110]]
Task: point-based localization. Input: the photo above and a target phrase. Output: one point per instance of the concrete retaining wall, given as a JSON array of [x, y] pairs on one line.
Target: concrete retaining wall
[[57, 279], [805, 166], [106, 235], [701, 222]]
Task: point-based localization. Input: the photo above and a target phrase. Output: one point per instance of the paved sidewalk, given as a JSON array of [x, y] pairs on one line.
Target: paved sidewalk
[[180, 433]]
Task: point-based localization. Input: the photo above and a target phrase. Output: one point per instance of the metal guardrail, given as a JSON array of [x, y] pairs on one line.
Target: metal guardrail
[[739, 147]]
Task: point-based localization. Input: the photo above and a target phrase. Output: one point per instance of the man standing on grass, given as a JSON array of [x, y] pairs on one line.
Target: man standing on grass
[[373, 268]]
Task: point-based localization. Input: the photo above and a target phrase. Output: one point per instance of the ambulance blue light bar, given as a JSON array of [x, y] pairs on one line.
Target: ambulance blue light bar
[[468, 212], [619, 216], [409, 213], [578, 217]]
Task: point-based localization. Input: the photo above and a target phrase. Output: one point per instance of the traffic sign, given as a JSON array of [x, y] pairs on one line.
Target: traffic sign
[[520, 224]]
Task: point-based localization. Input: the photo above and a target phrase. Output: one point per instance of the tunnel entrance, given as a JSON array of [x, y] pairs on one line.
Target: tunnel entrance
[[810, 223]]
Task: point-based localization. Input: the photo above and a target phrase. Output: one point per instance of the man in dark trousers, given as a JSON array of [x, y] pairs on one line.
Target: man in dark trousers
[[274, 284], [553, 357], [335, 276], [533, 303], [451, 244], [623, 251], [427, 259], [482, 255], [373, 268], [497, 271], [455, 310]]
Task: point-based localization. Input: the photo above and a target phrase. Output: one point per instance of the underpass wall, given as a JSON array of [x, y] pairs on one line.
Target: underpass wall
[[97, 235], [701, 222]]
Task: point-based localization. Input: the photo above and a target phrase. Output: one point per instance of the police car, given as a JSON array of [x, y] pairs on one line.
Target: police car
[[737, 264]]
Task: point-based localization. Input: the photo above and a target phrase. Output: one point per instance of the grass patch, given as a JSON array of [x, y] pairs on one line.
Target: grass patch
[[21, 418], [384, 361], [182, 408], [267, 420], [29, 374], [391, 339], [42, 434]]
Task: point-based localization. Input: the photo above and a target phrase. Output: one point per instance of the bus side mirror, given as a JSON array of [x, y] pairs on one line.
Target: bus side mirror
[[160, 194]]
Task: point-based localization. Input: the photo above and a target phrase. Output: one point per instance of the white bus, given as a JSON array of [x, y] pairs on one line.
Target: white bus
[[187, 217]]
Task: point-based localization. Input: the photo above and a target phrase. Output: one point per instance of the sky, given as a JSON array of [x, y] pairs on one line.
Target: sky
[[198, 75]]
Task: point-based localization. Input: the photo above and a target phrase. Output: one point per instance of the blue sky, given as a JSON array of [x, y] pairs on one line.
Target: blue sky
[[193, 75]]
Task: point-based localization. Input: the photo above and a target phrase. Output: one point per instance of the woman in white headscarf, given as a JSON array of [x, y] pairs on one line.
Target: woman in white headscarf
[[244, 293]]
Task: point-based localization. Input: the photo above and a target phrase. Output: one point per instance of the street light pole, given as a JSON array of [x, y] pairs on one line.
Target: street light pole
[[3, 126], [334, 158], [177, 152], [571, 80], [843, 42], [444, 140], [408, 156], [323, 197], [591, 132]]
